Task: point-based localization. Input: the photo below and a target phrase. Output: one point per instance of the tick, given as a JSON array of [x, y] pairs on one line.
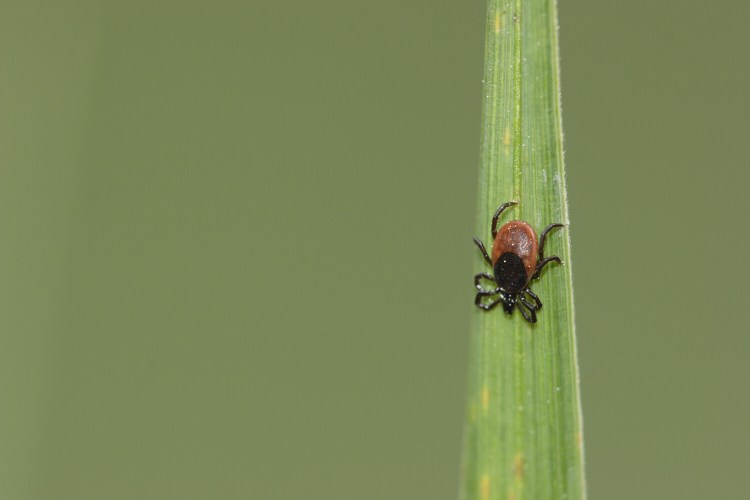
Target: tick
[[517, 258]]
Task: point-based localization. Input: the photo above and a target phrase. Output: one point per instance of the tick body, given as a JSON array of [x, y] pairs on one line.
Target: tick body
[[517, 258]]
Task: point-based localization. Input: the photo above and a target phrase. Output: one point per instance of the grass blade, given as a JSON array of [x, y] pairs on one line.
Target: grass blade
[[523, 436]]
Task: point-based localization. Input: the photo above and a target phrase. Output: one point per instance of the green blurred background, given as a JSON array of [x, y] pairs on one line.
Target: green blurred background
[[236, 258]]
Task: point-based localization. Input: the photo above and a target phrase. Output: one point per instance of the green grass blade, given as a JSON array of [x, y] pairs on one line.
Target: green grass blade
[[523, 436]]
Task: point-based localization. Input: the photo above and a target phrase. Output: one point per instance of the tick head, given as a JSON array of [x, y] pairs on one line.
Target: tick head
[[509, 301]]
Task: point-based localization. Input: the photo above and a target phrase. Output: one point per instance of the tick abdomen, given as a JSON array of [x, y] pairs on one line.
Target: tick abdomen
[[519, 238]]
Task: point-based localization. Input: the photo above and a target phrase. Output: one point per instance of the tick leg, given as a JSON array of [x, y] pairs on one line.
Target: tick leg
[[533, 296], [542, 263], [544, 236], [488, 306], [527, 303], [529, 316], [482, 291], [483, 250], [499, 211]]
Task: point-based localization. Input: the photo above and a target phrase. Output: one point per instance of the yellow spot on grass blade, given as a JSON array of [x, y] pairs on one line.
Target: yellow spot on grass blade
[[506, 139], [518, 467], [498, 22], [485, 487], [485, 399]]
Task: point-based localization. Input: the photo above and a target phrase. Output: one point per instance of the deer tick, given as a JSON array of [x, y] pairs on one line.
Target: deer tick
[[517, 258]]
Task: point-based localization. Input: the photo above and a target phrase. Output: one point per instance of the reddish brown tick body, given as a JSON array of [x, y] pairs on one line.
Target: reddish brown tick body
[[517, 258]]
